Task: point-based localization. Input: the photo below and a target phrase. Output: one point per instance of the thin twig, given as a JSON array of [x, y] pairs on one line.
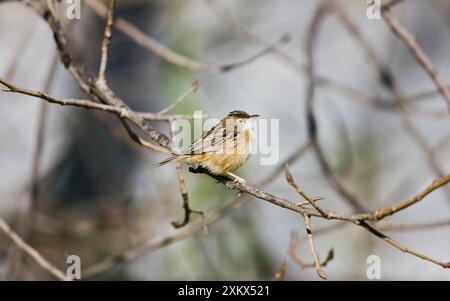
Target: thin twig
[[106, 41], [412, 226], [312, 247], [37, 257], [308, 199], [356, 218], [24, 219], [89, 104], [42, 118], [184, 195], [166, 53], [212, 217], [243, 30], [384, 212], [19, 50], [391, 4], [388, 80], [281, 272], [293, 253], [351, 199], [143, 142], [288, 205], [385, 104], [399, 246], [410, 41], [194, 87]]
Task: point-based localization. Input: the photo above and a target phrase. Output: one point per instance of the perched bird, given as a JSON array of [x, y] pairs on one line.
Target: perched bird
[[222, 149]]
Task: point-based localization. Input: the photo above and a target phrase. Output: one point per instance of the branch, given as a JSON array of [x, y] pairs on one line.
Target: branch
[[184, 195], [40, 134], [408, 227], [361, 220], [355, 218], [313, 248], [388, 80], [384, 212], [242, 30], [391, 4], [180, 99], [35, 255], [352, 200], [281, 272], [19, 49], [212, 217], [410, 41], [293, 253], [402, 248], [310, 200], [25, 220], [121, 112], [166, 53], [106, 41], [386, 104]]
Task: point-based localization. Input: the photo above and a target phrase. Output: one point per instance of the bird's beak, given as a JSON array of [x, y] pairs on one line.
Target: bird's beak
[[254, 116]]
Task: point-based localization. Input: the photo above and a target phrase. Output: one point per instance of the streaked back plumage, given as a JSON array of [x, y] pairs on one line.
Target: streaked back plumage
[[223, 148]]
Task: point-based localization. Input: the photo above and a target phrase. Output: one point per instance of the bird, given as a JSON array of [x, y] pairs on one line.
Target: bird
[[222, 149]]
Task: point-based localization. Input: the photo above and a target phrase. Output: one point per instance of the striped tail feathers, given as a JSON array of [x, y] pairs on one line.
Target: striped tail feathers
[[174, 159]]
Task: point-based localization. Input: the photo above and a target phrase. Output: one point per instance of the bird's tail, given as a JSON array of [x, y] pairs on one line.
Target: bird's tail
[[174, 159]]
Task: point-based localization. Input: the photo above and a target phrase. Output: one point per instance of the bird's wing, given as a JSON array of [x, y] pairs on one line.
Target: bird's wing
[[216, 139]]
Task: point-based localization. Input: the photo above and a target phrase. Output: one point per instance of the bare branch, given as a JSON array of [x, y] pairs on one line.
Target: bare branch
[[413, 226], [242, 30], [402, 248], [355, 218], [281, 272], [106, 41], [212, 216], [184, 195], [384, 212], [312, 247], [166, 53], [24, 219], [19, 50], [143, 142], [351, 199], [391, 4], [89, 104], [180, 99], [310, 200], [30, 251], [410, 41], [389, 105], [293, 253], [43, 110], [388, 80]]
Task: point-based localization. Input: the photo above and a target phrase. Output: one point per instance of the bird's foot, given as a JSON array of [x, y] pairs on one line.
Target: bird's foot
[[235, 178]]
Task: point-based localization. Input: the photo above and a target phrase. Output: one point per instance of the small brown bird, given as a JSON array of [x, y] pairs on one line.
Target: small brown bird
[[222, 149]]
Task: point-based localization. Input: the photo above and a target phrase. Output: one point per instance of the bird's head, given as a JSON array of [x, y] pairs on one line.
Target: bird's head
[[240, 120]]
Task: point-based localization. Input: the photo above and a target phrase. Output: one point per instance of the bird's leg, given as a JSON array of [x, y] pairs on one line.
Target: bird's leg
[[235, 178]]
